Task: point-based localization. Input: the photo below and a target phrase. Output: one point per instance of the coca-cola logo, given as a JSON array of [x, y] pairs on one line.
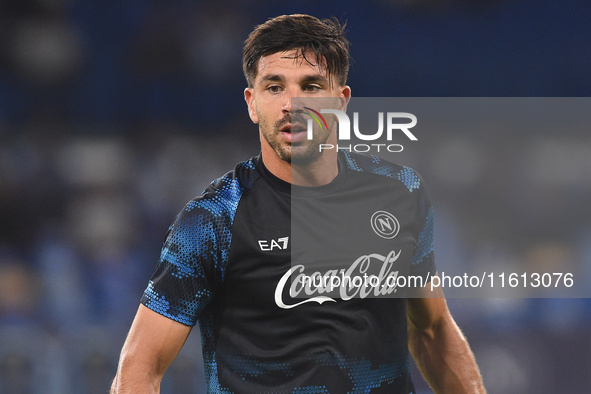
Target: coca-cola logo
[[347, 283]]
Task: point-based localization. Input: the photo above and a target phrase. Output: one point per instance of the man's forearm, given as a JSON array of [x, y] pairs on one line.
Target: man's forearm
[[445, 359]]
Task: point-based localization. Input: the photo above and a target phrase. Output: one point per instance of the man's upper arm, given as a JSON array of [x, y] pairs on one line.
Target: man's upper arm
[[151, 345], [428, 308], [439, 347]]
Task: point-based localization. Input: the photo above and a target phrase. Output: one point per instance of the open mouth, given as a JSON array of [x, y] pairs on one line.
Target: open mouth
[[294, 133], [293, 128]]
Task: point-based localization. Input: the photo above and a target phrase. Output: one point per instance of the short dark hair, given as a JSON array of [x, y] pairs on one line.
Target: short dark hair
[[325, 38]]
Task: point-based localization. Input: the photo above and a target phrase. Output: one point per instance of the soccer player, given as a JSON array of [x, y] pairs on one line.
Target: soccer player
[[228, 262]]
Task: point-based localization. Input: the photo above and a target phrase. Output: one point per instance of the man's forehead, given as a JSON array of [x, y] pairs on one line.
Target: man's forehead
[[289, 60]]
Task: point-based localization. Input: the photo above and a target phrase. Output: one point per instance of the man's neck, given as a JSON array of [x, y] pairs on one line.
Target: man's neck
[[317, 173]]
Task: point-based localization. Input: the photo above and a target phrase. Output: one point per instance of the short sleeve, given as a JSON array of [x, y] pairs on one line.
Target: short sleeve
[[180, 287], [195, 254], [423, 259]]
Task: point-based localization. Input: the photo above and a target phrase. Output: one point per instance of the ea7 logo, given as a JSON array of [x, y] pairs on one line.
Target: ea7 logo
[[279, 243]]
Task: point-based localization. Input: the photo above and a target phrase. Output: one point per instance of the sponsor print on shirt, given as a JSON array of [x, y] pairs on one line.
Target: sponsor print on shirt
[[347, 283]]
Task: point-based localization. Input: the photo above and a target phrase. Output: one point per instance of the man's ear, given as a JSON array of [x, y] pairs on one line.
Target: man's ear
[[249, 98], [345, 96]]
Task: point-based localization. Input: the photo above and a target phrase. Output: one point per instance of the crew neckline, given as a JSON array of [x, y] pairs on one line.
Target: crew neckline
[[304, 191]]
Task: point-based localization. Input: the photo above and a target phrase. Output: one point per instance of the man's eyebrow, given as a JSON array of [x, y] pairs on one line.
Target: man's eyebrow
[[314, 78], [305, 79], [272, 78]]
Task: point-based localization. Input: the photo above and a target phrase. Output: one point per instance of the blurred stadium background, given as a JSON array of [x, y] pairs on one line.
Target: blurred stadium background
[[113, 114]]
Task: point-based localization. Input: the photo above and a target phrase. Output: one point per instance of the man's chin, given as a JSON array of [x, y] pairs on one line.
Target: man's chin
[[299, 154], [302, 156]]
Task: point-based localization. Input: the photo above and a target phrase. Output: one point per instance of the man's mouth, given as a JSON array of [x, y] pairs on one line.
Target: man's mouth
[[294, 133], [293, 128]]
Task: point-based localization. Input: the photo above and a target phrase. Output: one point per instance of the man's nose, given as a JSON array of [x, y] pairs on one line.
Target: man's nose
[[291, 102], [286, 105]]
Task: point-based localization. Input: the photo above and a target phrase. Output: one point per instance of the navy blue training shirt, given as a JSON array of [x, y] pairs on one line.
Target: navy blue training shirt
[[261, 265]]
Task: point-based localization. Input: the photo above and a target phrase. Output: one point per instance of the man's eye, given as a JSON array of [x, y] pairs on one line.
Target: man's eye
[[311, 88], [274, 89]]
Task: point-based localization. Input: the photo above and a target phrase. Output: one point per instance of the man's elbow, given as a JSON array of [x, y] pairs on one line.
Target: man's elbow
[[432, 328], [135, 377]]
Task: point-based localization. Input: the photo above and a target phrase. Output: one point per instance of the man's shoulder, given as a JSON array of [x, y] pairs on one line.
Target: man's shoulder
[[223, 194], [375, 165]]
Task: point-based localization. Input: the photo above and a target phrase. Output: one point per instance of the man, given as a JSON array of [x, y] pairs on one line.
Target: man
[[228, 259]]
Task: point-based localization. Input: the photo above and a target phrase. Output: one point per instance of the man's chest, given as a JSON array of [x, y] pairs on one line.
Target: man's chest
[[292, 249]]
